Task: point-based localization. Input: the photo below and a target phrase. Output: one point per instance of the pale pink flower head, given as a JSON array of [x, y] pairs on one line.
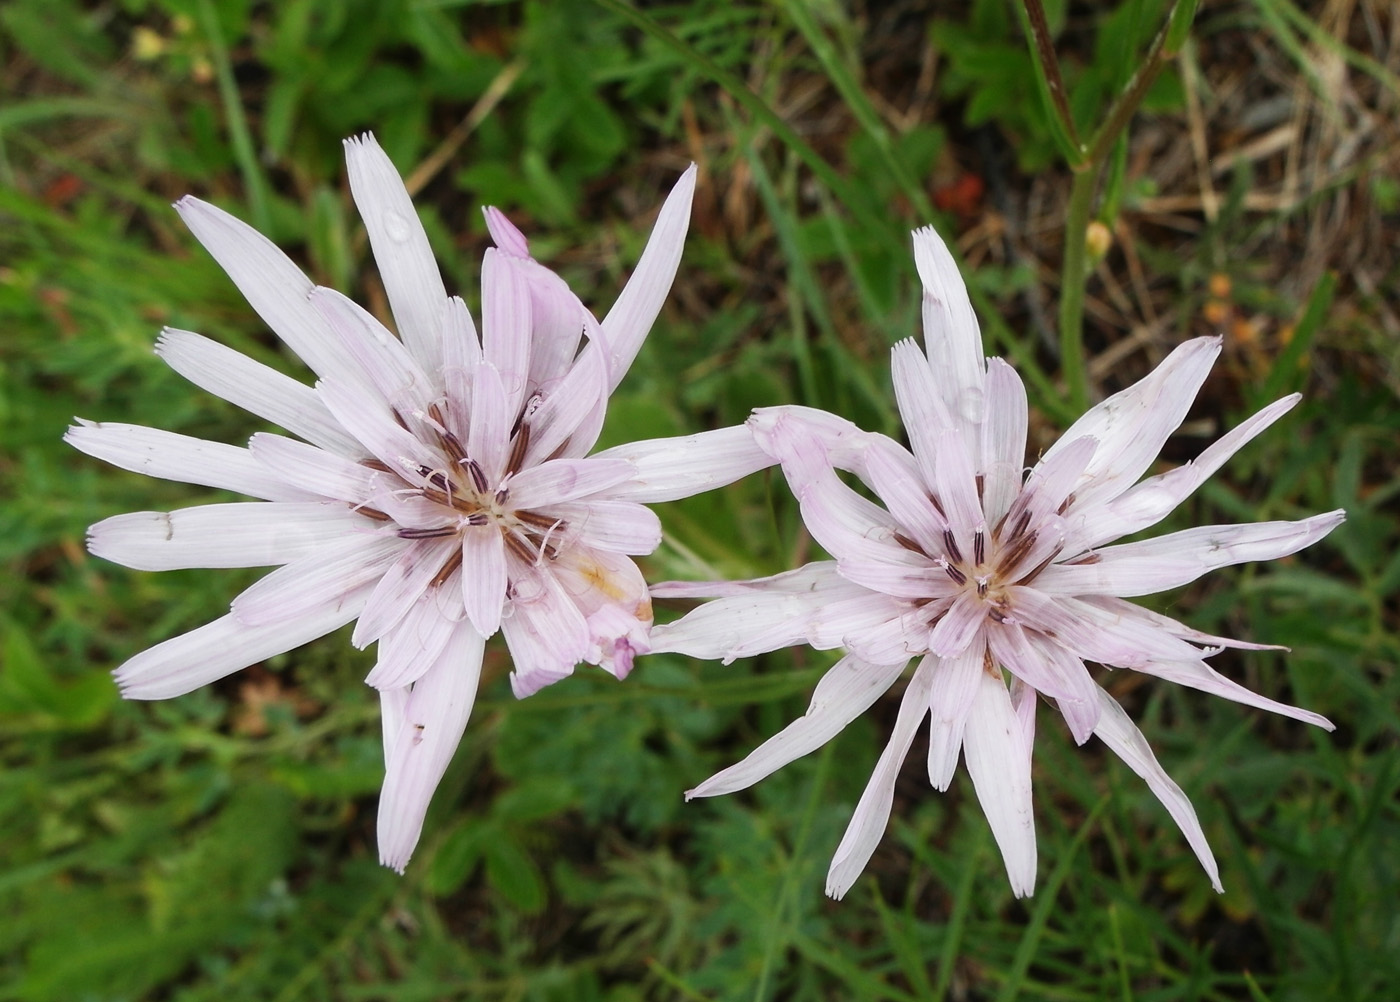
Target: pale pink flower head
[[441, 487], [1002, 585]]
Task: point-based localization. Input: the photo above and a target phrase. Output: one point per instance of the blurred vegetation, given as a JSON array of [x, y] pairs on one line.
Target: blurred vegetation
[[220, 845]]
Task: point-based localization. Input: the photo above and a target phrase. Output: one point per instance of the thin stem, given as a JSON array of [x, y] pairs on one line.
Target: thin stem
[[1049, 65], [1072, 282]]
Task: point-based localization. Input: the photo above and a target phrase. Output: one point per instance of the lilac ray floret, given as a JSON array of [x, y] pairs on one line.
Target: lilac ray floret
[[441, 490], [1002, 584]]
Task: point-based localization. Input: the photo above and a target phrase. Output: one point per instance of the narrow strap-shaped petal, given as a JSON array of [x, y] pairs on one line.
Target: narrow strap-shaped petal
[[920, 404], [430, 725], [386, 364], [1134, 424], [1003, 440], [1127, 610], [313, 470], [1052, 481], [489, 433], [901, 580], [567, 480], [636, 308], [408, 650], [872, 812], [184, 663], [1095, 634], [846, 445], [272, 284], [546, 633], [615, 526], [673, 468], [322, 578], [1199, 675], [1147, 503], [908, 501], [1050, 669], [847, 690], [373, 425], [1124, 739], [401, 251], [484, 577], [255, 387], [956, 630], [955, 483], [955, 685], [171, 456], [506, 326], [557, 323], [1178, 558], [951, 336], [1000, 766], [402, 584], [505, 234], [461, 354], [565, 406], [256, 534]]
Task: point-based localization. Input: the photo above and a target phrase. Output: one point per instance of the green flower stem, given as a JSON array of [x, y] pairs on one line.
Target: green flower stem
[[1072, 282]]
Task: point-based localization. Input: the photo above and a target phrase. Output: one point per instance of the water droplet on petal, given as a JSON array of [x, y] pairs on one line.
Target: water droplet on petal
[[972, 404], [397, 227]]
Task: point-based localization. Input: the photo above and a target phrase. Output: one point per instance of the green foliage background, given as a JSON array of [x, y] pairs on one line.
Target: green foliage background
[[220, 845]]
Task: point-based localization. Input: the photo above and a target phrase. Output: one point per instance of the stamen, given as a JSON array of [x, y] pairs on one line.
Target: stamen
[[452, 446], [981, 587], [1064, 506], [517, 545], [907, 543], [478, 518], [951, 544], [954, 573], [981, 483], [373, 513], [538, 521], [1022, 520], [979, 547], [1018, 550], [376, 465], [518, 447], [454, 560], [438, 533], [933, 498], [1084, 559], [478, 477], [1040, 566]]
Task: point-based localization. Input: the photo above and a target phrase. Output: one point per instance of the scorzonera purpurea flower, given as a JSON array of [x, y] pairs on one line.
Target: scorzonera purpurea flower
[[441, 489], [1001, 585]]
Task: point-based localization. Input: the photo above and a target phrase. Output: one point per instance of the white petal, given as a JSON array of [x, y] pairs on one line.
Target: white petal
[[483, 577], [916, 581], [1199, 675], [253, 386], [1147, 503], [1051, 482], [872, 813], [402, 584], [373, 425], [999, 763], [615, 526], [846, 445], [1049, 668], [408, 650], [489, 433], [1003, 439], [631, 317], [846, 691], [1134, 424], [1095, 634], [386, 365], [566, 405], [1123, 738], [546, 633], [323, 578], [1153, 565], [272, 284], [957, 629], [557, 322], [311, 469], [461, 354], [673, 468], [920, 404], [222, 535], [401, 251], [505, 326], [184, 663], [169, 456], [907, 499], [427, 732], [951, 335], [567, 480], [955, 483], [955, 685]]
